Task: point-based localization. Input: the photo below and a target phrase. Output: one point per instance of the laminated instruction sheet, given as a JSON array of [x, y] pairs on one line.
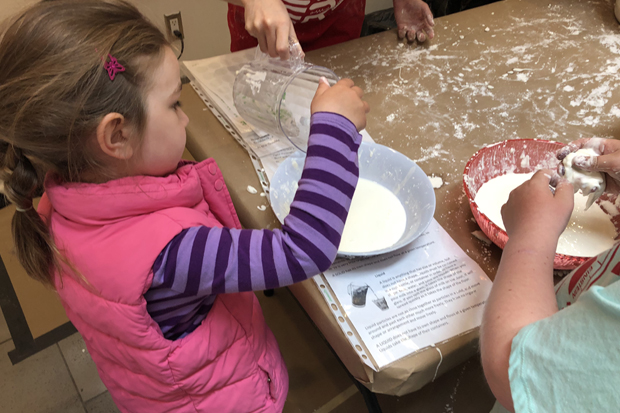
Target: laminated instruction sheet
[[392, 305], [388, 306]]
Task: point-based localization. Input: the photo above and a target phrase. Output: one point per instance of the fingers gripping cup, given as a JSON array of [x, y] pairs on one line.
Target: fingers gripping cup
[[274, 96]]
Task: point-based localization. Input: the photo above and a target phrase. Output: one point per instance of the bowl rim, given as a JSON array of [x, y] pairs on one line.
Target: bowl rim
[[391, 248], [571, 260], [423, 227]]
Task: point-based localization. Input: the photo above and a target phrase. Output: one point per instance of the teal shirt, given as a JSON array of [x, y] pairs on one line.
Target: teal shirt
[[570, 362]]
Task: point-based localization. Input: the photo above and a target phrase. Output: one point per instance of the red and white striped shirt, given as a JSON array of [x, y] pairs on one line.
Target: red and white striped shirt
[[318, 23]]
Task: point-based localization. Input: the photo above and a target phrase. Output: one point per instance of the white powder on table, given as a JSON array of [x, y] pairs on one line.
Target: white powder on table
[[436, 181]]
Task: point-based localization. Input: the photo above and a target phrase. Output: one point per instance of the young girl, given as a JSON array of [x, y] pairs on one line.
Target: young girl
[[537, 358], [146, 251]]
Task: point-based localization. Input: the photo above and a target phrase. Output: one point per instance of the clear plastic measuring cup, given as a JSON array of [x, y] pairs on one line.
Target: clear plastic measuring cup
[[274, 95]]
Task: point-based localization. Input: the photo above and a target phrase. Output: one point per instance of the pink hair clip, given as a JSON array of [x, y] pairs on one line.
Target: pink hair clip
[[113, 67]]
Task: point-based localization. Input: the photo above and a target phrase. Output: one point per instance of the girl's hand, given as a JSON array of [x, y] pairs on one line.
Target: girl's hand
[[344, 98], [608, 162], [533, 210]]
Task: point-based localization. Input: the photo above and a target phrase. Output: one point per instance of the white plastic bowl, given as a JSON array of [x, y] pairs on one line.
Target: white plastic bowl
[[380, 164]]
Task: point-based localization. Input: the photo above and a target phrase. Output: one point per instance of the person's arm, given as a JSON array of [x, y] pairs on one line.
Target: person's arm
[[270, 23], [224, 260], [204, 261], [414, 20], [569, 362], [523, 290]]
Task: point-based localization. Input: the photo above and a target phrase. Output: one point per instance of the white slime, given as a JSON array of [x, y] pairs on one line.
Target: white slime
[[588, 232], [586, 181], [376, 219]]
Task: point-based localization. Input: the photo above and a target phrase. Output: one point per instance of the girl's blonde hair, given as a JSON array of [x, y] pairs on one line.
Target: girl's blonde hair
[[54, 91]]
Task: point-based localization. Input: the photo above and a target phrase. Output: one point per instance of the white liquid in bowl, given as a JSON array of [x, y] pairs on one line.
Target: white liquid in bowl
[[376, 220], [588, 232]]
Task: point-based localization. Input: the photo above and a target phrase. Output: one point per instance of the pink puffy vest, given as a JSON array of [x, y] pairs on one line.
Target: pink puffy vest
[[112, 234]]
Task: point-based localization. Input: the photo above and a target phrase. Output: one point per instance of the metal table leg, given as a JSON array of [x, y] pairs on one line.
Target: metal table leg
[[370, 398]]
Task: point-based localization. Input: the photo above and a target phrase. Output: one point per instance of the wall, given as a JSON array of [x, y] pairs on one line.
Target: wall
[[204, 21], [375, 5], [204, 24], [10, 7]]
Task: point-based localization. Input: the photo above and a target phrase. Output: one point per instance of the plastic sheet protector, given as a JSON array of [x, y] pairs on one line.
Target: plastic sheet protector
[[392, 305]]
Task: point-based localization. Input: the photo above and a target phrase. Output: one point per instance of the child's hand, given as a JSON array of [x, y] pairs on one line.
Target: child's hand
[[533, 210], [608, 162], [344, 99]]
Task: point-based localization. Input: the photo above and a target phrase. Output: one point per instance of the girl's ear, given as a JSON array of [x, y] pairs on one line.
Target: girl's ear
[[113, 137]]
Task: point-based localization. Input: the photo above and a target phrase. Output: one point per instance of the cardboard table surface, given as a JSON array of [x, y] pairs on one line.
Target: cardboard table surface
[[512, 69]]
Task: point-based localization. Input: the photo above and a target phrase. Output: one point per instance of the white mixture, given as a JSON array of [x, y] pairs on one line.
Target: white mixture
[[376, 219], [588, 232], [586, 181]]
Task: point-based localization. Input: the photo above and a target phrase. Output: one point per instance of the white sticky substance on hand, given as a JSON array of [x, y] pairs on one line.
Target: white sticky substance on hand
[[586, 181]]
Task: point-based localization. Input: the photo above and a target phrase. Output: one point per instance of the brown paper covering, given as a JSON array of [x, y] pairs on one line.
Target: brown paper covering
[[401, 121]]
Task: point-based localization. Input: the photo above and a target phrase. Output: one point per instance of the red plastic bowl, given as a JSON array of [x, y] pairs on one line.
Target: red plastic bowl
[[512, 156]]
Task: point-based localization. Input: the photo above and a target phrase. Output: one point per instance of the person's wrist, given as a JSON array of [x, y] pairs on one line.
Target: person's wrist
[[535, 240]]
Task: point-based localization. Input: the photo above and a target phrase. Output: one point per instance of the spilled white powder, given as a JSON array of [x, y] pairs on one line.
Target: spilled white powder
[[525, 160], [458, 132], [482, 237], [376, 219], [588, 232], [612, 42], [435, 151], [519, 106], [523, 77], [436, 181]]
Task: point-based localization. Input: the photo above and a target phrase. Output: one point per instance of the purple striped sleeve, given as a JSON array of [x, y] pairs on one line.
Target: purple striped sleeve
[[204, 262], [244, 275], [223, 251], [195, 263]]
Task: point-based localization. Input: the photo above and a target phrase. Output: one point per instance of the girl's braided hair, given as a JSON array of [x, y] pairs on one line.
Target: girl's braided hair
[[54, 91]]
